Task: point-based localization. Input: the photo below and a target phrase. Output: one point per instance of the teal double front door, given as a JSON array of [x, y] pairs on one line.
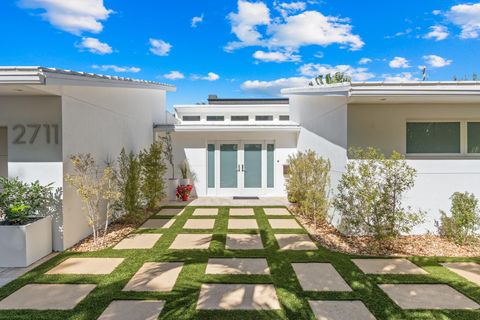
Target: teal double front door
[[244, 168]]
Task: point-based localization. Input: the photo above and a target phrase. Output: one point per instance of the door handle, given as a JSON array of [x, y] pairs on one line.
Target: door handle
[[243, 168]]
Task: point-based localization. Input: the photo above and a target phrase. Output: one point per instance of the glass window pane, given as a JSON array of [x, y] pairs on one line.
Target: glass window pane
[[473, 136], [239, 118], [253, 165], [263, 118], [433, 137], [284, 118], [270, 165], [191, 118], [215, 118], [211, 166], [228, 165]]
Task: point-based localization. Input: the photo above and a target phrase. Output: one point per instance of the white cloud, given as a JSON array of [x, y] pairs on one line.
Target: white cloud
[[244, 23], [364, 61], [436, 61], [272, 88], [196, 21], [94, 45], [291, 31], [276, 56], [288, 8], [74, 16], [467, 17], [357, 74], [436, 12], [438, 33], [174, 75], [211, 76], [399, 62], [313, 28], [400, 33], [159, 47], [115, 68], [400, 77]]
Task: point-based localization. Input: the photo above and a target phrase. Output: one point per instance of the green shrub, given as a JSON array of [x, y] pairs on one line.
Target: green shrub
[[370, 195], [129, 183], [308, 183], [20, 201], [152, 170], [464, 222]]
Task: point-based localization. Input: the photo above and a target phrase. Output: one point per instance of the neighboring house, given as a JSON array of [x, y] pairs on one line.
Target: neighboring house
[[48, 114]]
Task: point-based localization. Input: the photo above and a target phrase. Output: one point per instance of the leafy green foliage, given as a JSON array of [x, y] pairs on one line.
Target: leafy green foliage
[[370, 195], [184, 169], [20, 201], [338, 77], [464, 222], [152, 170], [129, 183], [308, 184], [95, 187]]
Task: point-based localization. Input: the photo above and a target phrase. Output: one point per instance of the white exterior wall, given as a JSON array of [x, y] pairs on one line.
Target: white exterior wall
[[38, 160], [324, 130], [384, 126], [192, 146], [101, 121]]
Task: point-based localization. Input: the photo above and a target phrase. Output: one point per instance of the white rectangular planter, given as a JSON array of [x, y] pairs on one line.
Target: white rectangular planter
[[20, 246]]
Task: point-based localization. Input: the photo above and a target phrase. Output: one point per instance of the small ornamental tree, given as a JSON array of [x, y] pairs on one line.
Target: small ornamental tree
[[129, 182], [152, 170], [95, 187], [308, 184], [370, 195], [464, 222]]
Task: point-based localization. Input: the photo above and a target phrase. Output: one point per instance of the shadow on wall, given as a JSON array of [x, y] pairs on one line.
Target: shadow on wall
[[55, 209]]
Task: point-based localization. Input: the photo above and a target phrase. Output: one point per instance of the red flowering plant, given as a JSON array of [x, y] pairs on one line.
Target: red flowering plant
[[183, 191]]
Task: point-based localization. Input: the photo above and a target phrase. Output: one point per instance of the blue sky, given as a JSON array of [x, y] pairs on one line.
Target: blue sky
[[244, 48]]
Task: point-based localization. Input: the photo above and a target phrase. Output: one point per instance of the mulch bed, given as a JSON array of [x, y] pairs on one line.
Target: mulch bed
[[116, 232], [422, 245]]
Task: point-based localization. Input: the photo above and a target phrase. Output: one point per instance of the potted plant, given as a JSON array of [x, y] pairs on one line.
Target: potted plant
[[168, 152], [25, 222], [184, 171], [183, 192]]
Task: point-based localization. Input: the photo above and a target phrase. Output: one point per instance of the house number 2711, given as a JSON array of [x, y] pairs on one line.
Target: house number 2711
[[31, 133]]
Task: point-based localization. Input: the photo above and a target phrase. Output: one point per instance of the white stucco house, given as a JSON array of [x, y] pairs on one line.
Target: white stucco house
[[48, 114], [239, 147], [236, 147]]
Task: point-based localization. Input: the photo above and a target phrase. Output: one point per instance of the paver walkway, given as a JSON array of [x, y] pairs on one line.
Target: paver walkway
[[237, 263]]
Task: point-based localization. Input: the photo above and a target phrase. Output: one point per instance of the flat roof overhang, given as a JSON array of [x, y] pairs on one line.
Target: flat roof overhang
[[224, 128], [35, 76]]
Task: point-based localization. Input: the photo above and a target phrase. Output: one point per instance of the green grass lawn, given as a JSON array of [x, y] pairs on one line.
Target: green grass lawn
[[181, 302]]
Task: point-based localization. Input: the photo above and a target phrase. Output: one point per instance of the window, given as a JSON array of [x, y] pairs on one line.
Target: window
[[433, 137], [191, 118], [270, 165], [215, 118], [473, 137], [239, 118], [211, 165], [284, 118], [263, 118]]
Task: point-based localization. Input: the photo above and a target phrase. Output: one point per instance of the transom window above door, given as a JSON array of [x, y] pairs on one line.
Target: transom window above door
[[443, 138]]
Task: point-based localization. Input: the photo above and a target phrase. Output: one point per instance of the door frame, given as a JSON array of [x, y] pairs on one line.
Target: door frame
[[240, 190]]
